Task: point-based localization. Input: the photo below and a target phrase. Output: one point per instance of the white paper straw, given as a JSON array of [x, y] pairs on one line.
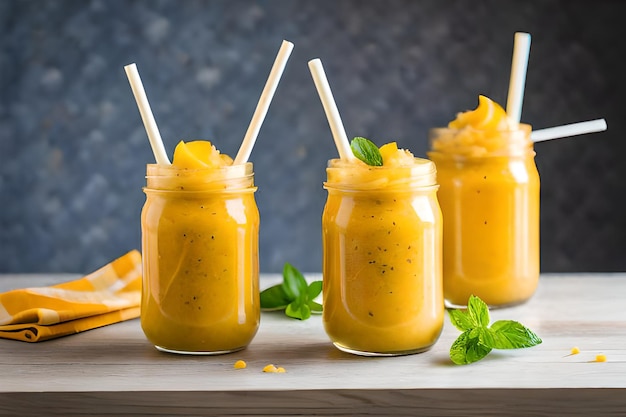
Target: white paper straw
[[572, 129], [521, 50], [156, 143], [264, 103], [330, 108]]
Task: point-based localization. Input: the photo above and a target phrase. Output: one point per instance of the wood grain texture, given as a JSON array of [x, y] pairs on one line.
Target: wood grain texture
[[115, 371], [425, 402]]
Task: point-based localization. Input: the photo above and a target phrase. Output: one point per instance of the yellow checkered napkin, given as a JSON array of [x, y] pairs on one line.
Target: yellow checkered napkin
[[109, 295]]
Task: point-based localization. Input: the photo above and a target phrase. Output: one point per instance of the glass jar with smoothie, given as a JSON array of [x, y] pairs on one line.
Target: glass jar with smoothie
[[489, 197], [200, 227], [382, 288]]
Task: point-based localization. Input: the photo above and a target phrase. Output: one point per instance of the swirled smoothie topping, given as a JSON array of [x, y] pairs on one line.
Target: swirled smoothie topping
[[477, 132], [394, 157], [489, 115], [377, 168]]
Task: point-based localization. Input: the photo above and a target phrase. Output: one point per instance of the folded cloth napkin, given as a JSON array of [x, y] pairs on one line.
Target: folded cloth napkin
[[109, 295]]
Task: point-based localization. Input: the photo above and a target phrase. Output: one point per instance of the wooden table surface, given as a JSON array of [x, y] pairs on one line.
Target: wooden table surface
[[115, 371]]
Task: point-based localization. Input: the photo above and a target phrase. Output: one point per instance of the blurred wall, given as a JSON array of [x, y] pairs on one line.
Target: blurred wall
[[73, 148]]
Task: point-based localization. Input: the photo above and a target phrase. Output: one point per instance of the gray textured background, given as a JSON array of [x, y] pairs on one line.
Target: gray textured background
[[73, 149]]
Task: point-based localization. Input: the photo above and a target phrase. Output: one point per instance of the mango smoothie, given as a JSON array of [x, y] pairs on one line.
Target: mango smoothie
[[382, 288], [200, 226], [489, 197]]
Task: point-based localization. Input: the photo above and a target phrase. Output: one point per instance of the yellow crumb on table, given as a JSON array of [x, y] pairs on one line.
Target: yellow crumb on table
[[270, 368], [240, 364], [600, 358], [575, 351], [273, 369]]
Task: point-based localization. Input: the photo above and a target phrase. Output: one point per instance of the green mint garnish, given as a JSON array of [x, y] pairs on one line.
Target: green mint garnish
[[478, 339], [293, 295], [366, 151]]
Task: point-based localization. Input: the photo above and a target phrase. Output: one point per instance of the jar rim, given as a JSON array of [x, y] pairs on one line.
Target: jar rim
[[176, 179], [522, 127], [226, 171], [199, 193], [469, 142], [359, 176]]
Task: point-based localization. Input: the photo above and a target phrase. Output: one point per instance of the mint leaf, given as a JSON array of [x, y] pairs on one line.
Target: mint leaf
[[461, 320], [478, 311], [293, 309], [294, 295], [366, 151], [299, 309], [293, 281], [509, 334], [478, 339], [467, 349], [315, 307], [315, 288], [274, 298]]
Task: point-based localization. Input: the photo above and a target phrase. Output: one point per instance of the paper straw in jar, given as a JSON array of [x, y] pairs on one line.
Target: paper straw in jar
[[330, 108], [572, 129], [156, 143], [264, 103], [515, 98]]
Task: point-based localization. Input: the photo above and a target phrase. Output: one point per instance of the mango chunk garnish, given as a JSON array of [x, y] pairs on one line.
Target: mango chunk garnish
[[388, 150], [199, 154]]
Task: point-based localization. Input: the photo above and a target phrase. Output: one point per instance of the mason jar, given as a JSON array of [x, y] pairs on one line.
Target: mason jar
[[382, 286], [200, 231], [489, 197]]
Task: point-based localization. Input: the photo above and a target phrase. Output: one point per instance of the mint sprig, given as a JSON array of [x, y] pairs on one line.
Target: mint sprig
[[366, 151], [478, 339], [293, 295]]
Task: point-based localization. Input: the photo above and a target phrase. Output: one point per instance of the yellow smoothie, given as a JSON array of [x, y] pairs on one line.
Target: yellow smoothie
[[489, 197], [382, 288], [200, 227]]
